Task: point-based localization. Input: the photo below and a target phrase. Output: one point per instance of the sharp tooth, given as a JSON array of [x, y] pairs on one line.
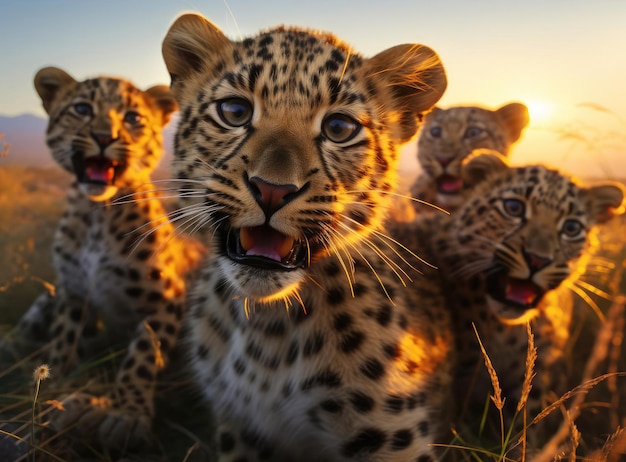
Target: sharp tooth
[[245, 238], [285, 246]]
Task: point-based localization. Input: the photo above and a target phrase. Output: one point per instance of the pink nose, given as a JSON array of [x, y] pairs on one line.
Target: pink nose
[[269, 196], [536, 262], [103, 139], [444, 160]]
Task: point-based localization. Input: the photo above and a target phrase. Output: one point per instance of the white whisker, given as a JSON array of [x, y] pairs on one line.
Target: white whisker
[[403, 196]]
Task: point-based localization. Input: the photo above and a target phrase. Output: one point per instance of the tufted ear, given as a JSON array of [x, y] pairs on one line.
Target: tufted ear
[[48, 82], [417, 80], [192, 44], [164, 100], [605, 200], [481, 164], [515, 117]]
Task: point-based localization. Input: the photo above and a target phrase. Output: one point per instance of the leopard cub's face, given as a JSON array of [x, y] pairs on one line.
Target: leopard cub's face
[[287, 141], [103, 130], [523, 229], [450, 135]]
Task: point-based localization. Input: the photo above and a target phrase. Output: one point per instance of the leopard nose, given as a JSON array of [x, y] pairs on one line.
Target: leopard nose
[[103, 139], [444, 161], [271, 197], [536, 262]]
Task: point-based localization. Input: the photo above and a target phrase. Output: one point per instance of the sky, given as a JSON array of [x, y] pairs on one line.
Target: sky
[[566, 59]]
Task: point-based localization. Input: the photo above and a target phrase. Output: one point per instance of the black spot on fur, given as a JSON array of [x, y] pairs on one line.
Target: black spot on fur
[[367, 441], [134, 275], [342, 321], [331, 405], [313, 345], [401, 439], [394, 404], [424, 458], [292, 352], [332, 269], [361, 402], [373, 369], [335, 296], [143, 345], [422, 428], [391, 351], [239, 366], [327, 378], [384, 315], [275, 328], [352, 341], [144, 373], [134, 292], [76, 314]]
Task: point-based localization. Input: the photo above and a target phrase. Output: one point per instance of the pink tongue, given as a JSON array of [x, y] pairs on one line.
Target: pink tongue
[[522, 292], [266, 242], [104, 174], [450, 184]]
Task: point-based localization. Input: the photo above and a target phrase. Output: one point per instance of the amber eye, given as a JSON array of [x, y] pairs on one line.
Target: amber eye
[[514, 207], [340, 128], [472, 132], [133, 118], [83, 109], [572, 228], [435, 132], [235, 112]]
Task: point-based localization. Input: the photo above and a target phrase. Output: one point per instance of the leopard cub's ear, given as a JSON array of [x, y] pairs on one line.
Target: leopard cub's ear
[[48, 82], [481, 164], [416, 78], [605, 200], [192, 45], [164, 100], [515, 118]]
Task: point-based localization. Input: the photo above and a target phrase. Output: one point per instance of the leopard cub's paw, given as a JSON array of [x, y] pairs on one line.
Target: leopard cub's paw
[[97, 419]]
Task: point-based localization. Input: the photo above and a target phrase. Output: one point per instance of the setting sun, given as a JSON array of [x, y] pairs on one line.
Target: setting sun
[[540, 111]]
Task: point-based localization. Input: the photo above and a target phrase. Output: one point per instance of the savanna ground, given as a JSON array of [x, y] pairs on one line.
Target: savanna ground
[[31, 201]]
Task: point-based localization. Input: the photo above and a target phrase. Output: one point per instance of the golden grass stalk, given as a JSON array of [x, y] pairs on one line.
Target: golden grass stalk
[[497, 399], [574, 437], [41, 373], [529, 375]]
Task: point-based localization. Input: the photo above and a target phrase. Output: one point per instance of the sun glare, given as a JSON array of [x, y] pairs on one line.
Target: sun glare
[[540, 111]]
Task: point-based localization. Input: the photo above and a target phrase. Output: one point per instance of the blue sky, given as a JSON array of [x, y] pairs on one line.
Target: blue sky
[[554, 52]]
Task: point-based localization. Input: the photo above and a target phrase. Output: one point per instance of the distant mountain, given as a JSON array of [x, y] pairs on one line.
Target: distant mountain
[[24, 135]]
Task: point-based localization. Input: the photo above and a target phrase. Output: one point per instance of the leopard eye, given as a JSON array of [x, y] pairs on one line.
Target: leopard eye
[[83, 109], [472, 132], [235, 112], [514, 207], [435, 132], [340, 128], [133, 118], [572, 228]]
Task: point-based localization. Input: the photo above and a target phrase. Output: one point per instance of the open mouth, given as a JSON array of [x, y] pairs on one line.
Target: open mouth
[[96, 169], [264, 247], [449, 184], [517, 293]]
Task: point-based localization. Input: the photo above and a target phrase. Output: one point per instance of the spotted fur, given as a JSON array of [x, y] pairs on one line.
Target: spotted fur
[[520, 235], [302, 335], [118, 260], [448, 136]]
